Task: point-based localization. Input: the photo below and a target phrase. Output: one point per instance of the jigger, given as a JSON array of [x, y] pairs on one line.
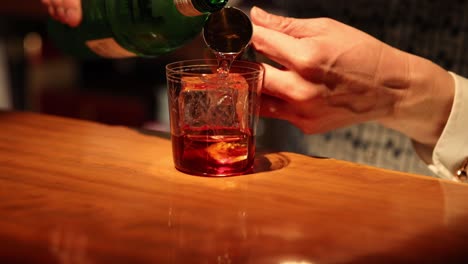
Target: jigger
[[228, 31]]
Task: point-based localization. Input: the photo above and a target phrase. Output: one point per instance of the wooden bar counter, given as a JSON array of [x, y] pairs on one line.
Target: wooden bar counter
[[77, 192]]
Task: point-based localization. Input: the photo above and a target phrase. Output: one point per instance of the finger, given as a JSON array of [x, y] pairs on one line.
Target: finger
[[275, 108], [289, 85], [298, 28], [316, 118], [272, 107], [52, 12], [75, 4], [279, 47], [73, 12], [60, 12], [56, 3], [73, 17]]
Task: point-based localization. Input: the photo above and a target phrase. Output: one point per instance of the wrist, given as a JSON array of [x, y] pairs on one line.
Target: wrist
[[423, 106]]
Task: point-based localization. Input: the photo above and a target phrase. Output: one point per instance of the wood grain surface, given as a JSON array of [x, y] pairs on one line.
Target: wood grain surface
[[79, 192]]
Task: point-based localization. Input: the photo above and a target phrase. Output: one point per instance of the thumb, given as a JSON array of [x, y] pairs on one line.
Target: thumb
[[294, 27]]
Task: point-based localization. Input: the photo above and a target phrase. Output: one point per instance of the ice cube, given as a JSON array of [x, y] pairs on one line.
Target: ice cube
[[209, 101], [228, 152]]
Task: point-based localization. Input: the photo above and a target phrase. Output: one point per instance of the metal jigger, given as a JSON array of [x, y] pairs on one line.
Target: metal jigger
[[228, 31]]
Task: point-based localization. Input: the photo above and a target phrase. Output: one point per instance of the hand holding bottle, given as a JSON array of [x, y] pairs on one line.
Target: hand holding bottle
[[66, 11], [333, 75], [121, 28]]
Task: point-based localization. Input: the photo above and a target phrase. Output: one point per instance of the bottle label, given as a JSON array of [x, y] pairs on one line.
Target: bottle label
[[109, 48]]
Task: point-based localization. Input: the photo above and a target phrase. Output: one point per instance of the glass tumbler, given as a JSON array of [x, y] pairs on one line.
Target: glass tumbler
[[213, 116]]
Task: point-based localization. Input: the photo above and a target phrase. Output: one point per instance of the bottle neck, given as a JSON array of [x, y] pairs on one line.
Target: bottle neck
[[199, 7]]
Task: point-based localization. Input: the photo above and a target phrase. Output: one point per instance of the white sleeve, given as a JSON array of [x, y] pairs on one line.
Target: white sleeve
[[452, 147]]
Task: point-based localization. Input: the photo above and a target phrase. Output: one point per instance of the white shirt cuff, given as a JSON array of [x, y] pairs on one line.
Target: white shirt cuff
[[452, 147]]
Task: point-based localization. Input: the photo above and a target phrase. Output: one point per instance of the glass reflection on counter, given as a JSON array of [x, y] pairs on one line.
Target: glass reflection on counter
[[228, 236]]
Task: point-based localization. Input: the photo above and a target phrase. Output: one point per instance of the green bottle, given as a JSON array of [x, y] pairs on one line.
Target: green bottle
[[129, 28]]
